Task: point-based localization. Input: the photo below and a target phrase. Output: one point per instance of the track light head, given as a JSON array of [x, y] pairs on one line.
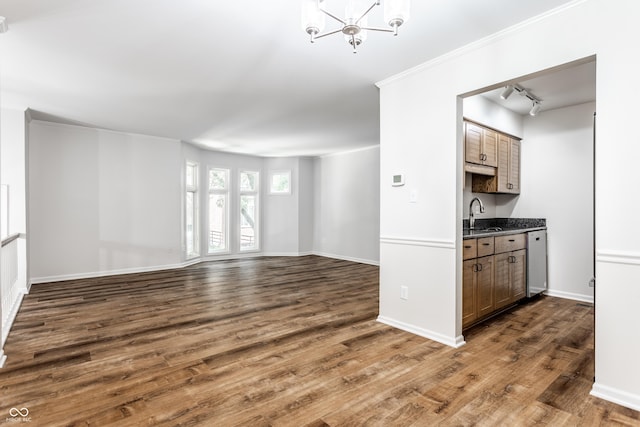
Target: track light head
[[535, 108], [3, 25], [506, 92]]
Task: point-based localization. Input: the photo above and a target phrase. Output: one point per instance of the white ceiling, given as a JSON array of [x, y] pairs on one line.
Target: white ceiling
[[556, 89], [239, 76]]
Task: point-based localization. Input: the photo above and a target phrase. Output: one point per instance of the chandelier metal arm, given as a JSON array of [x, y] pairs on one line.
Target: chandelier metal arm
[[386, 30], [375, 3], [339, 30], [326, 12]]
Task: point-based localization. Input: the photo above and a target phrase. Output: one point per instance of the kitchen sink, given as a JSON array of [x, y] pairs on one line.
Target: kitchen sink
[[486, 230]]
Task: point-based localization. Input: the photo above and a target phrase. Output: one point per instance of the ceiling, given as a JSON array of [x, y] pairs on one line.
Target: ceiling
[[556, 89], [237, 76]]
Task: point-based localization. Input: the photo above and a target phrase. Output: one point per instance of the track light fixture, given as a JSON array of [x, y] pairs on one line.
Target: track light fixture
[[506, 92], [535, 108], [537, 103], [3, 25]]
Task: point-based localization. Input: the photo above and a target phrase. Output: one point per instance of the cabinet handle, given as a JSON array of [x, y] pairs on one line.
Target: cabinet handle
[[489, 244], [512, 240], [475, 268], [537, 238], [480, 267], [468, 247]]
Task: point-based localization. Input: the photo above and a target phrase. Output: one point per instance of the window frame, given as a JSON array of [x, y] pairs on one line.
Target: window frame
[[273, 173], [227, 226], [194, 189], [256, 226]]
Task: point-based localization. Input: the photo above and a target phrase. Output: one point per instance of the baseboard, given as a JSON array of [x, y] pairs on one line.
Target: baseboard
[[569, 295], [287, 254], [347, 258], [629, 400], [425, 333], [93, 275]]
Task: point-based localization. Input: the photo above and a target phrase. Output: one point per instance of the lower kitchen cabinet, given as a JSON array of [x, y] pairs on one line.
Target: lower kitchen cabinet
[[477, 289], [492, 282], [510, 277]]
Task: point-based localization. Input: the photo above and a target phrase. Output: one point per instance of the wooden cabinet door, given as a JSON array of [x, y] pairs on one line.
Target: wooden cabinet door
[[504, 143], [484, 287], [508, 171], [518, 274], [490, 147], [473, 143], [469, 310], [480, 145], [514, 166], [502, 281]]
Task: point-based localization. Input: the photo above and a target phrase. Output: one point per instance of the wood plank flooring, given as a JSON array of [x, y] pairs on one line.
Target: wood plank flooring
[[286, 342]]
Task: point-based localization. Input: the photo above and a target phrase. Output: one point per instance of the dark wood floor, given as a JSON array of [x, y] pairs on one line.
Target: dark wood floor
[[286, 342]]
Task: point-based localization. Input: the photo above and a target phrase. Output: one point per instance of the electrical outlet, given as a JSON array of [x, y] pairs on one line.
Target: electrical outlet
[[404, 292]]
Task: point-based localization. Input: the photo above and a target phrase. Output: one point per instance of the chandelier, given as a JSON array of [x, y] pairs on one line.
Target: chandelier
[[354, 26]]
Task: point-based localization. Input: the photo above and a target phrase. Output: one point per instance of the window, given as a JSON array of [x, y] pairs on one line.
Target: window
[[192, 213], [280, 182], [249, 210], [218, 236]]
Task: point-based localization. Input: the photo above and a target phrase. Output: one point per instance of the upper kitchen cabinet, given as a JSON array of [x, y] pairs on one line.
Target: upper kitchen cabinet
[[508, 173], [505, 176], [480, 147]]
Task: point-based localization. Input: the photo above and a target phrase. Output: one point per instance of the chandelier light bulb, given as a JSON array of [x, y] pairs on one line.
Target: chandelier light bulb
[[313, 19]]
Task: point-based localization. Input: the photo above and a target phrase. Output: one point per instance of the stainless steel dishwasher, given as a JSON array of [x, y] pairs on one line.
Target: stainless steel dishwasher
[[536, 262]]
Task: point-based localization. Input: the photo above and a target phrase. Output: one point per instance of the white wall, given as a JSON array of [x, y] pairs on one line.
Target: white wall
[[421, 134], [483, 111], [347, 205], [101, 202], [13, 166], [557, 184], [306, 218], [282, 211]]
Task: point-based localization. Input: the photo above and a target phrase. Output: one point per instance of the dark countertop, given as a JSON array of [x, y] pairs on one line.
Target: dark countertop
[[502, 227]]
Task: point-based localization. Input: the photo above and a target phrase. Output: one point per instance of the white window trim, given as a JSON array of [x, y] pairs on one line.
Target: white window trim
[[279, 172], [226, 192], [257, 228], [196, 196]]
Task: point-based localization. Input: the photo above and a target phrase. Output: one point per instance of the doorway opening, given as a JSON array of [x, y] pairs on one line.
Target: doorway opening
[[557, 166]]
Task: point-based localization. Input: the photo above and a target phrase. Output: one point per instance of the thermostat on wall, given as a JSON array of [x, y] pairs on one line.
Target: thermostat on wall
[[398, 180]]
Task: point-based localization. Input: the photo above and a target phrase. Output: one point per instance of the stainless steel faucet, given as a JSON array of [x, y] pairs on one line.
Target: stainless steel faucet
[[472, 219]]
